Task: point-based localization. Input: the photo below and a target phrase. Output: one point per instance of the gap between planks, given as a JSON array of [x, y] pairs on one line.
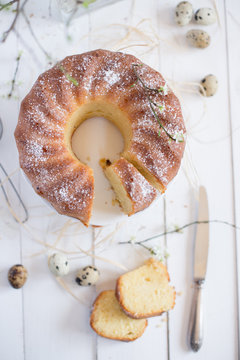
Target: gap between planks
[[236, 263], [165, 245]]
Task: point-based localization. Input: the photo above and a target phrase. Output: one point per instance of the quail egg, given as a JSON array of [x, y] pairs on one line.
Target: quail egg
[[87, 276], [58, 264], [210, 85], [198, 38], [183, 13], [205, 16], [17, 276]]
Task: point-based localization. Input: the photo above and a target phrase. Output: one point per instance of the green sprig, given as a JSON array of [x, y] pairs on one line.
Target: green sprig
[[178, 229], [86, 3], [148, 90], [68, 76], [8, 5]]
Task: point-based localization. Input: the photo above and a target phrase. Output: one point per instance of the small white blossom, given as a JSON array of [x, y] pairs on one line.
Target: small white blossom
[[132, 239], [161, 108], [179, 136], [164, 89], [159, 252]]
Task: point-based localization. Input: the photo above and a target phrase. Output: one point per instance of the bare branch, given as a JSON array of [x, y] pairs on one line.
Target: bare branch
[[7, 32], [15, 75], [4, 6], [148, 90], [35, 37], [179, 229], [18, 11]]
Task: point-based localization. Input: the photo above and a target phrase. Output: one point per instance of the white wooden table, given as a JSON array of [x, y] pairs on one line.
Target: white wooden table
[[43, 321]]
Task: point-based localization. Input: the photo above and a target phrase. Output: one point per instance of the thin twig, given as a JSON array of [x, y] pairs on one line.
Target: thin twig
[[177, 230], [148, 90], [28, 48], [15, 75], [7, 32], [50, 8], [4, 6], [68, 76], [35, 37]]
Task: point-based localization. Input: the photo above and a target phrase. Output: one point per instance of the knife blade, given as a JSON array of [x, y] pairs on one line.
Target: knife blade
[[202, 238], [199, 272]]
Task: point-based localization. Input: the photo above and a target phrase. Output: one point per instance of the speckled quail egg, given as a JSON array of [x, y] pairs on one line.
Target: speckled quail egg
[[58, 264], [87, 276], [198, 38], [210, 85], [17, 276], [205, 16], [183, 13]]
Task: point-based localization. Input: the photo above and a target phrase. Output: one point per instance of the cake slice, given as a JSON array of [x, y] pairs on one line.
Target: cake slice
[[132, 190], [145, 292], [108, 319]]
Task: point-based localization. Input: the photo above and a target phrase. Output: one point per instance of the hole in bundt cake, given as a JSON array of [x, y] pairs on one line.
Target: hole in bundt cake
[[99, 142], [93, 140]]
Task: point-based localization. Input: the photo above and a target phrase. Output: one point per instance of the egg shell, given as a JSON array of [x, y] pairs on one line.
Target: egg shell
[[87, 276], [183, 13], [58, 264], [198, 38], [17, 276], [205, 16], [210, 85]]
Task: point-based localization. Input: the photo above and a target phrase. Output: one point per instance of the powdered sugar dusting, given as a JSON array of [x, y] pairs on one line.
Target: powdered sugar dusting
[[111, 77], [35, 150], [138, 188], [73, 195]]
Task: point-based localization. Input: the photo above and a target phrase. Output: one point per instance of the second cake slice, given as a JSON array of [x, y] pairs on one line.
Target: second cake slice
[[145, 291]]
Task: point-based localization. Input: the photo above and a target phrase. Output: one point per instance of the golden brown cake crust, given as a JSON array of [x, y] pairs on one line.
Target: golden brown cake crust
[[104, 76], [92, 321], [120, 299]]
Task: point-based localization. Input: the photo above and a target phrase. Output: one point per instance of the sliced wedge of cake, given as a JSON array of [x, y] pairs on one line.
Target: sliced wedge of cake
[[108, 319], [145, 292], [132, 190]]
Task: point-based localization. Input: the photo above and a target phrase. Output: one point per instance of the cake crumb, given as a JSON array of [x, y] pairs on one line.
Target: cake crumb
[[114, 202]]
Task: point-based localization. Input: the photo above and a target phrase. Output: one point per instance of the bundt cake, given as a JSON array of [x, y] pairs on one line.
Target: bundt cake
[[116, 86], [108, 319], [145, 292], [132, 190]]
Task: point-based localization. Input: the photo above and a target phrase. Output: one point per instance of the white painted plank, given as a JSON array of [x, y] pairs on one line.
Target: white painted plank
[[154, 340], [131, 256], [233, 27], [212, 159], [11, 315], [56, 324]]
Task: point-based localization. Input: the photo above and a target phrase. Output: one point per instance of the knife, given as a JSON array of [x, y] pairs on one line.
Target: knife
[[199, 272]]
